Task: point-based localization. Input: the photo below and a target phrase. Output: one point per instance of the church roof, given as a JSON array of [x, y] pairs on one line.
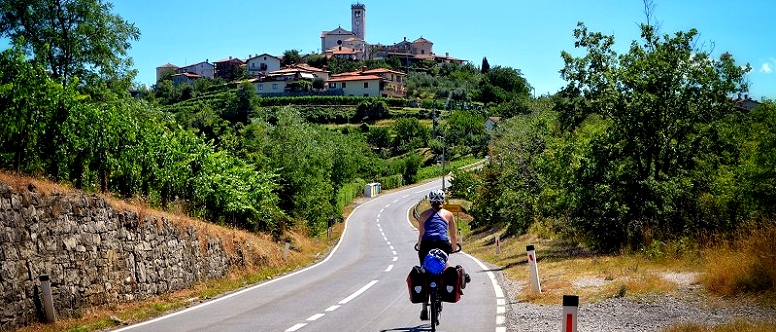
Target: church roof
[[422, 40], [337, 31]]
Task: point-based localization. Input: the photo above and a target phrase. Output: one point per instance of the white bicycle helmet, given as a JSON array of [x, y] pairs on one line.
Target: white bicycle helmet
[[436, 196]]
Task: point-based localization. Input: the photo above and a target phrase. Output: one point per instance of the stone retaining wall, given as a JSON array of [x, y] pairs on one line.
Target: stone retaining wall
[[94, 255]]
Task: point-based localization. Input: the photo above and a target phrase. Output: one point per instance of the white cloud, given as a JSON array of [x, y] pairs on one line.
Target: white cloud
[[766, 68]]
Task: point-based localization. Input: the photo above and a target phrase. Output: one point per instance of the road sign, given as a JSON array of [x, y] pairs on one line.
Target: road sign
[[453, 207]]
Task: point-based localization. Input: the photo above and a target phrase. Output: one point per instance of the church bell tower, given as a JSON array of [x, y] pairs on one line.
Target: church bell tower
[[358, 20]]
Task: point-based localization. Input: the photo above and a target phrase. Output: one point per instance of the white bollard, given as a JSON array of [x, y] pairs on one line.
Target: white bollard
[[498, 245], [570, 306], [48, 299], [534, 270]]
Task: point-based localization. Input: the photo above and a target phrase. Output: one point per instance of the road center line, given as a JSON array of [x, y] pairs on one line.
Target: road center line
[[390, 267], [314, 317], [296, 327], [358, 292], [332, 308]]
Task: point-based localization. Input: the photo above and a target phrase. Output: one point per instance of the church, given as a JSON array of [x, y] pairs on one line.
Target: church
[[352, 45]]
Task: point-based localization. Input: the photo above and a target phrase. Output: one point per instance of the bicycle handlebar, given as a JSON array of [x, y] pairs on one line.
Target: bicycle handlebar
[[417, 248]]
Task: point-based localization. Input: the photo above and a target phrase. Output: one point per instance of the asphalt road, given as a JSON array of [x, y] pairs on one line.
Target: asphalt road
[[360, 286]]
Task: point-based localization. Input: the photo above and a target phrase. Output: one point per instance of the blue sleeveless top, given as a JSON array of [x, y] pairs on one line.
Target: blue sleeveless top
[[435, 228]]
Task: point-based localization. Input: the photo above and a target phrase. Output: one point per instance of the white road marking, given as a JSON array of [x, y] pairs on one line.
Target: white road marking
[[296, 327], [391, 247], [314, 317], [358, 292], [394, 253], [500, 310], [501, 329], [500, 319], [395, 258], [390, 267], [332, 308]]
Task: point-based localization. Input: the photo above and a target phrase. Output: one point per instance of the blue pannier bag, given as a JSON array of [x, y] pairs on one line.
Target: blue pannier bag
[[435, 261]]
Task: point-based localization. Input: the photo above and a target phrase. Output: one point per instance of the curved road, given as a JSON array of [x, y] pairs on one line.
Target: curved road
[[360, 286]]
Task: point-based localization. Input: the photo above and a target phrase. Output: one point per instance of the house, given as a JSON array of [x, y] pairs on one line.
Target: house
[[181, 78], [228, 69], [288, 80], [369, 82], [342, 52], [746, 103], [262, 64], [203, 69], [357, 85], [492, 122], [409, 52], [165, 69]]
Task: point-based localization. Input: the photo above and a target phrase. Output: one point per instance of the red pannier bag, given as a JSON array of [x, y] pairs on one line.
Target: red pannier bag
[[417, 285], [452, 280]]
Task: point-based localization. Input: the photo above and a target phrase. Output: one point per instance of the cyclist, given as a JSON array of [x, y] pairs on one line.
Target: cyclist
[[434, 226]]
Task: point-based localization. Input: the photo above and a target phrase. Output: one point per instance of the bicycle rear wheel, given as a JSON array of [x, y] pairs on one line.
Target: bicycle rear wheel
[[434, 312]]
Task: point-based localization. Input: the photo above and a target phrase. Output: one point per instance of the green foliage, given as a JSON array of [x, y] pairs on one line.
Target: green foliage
[[410, 135], [371, 110], [663, 98], [464, 184], [466, 130], [74, 40]]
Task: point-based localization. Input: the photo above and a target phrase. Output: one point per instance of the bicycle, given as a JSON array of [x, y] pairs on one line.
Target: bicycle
[[434, 281]]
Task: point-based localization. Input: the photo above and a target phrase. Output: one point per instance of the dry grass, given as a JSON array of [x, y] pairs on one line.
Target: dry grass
[[744, 266], [566, 268], [737, 326]]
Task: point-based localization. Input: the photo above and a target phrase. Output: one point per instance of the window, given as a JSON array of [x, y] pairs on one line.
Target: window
[[366, 95], [260, 87], [366, 85], [343, 85], [332, 85], [274, 86]]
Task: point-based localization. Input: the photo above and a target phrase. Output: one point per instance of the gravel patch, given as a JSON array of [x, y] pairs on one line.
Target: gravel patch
[[649, 313]]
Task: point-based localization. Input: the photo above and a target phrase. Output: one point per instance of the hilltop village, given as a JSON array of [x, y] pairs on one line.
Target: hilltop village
[[271, 78]]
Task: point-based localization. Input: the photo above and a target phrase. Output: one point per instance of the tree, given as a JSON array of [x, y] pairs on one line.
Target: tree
[[72, 38], [659, 100], [485, 66], [291, 57], [410, 134]]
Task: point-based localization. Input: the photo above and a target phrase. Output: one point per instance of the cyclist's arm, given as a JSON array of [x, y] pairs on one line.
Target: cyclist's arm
[[452, 229], [421, 229]]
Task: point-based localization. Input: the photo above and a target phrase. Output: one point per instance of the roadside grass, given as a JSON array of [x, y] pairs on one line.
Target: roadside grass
[[744, 265], [725, 272], [737, 326]]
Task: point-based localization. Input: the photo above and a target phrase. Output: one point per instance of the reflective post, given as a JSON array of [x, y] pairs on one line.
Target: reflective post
[[570, 306], [534, 269]]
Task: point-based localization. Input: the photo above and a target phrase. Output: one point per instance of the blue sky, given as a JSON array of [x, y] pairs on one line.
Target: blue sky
[[527, 35]]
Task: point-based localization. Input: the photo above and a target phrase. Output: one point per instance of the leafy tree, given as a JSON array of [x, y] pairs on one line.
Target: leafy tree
[[319, 84], [660, 99], [291, 57], [467, 131], [79, 38], [410, 134], [379, 137], [27, 97]]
